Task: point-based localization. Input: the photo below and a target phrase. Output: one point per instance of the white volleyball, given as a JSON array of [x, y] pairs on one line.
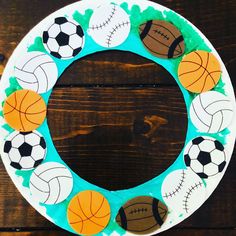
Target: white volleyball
[[211, 112], [109, 25], [51, 183], [36, 71], [183, 192]]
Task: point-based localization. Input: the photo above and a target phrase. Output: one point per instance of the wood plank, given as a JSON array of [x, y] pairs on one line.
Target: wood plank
[[128, 133], [104, 119], [130, 69], [172, 232]]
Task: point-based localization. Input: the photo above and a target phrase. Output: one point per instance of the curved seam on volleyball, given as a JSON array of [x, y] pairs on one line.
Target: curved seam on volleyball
[[48, 194], [59, 192], [199, 117], [53, 168], [222, 100], [23, 67], [38, 188]]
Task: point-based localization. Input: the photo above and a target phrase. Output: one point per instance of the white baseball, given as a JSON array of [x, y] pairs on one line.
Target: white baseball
[[211, 112], [51, 183], [183, 192], [36, 71], [109, 25]]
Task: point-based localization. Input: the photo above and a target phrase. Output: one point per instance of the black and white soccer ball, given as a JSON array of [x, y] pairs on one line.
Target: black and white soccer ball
[[25, 151], [64, 39], [205, 156]]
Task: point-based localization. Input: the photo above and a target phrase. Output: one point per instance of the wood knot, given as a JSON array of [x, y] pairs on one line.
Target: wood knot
[[148, 125]]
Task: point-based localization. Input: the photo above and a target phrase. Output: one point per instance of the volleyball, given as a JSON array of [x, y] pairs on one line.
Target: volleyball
[[51, 183], [211, 112], [36, 71]]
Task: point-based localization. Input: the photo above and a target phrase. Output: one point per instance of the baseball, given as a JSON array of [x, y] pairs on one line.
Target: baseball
[[183, 191], [109, 26]]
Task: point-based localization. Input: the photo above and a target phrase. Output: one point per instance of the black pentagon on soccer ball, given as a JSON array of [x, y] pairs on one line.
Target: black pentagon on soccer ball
[[56, 54], [42, 143], [25, 150], [7, 146], [202, 175], [222, 166], [63, 39], [37, 163], [219, 146], [76, 51], [60, 20], [16, 165], [79, 31], [198, 140], [187, 160], [45, 37], [204, 158]]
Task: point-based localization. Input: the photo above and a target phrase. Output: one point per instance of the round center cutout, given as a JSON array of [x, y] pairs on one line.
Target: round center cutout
[[121, 121]]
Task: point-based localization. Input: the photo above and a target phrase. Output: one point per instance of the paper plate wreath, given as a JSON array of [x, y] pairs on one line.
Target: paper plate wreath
[[153, 32]]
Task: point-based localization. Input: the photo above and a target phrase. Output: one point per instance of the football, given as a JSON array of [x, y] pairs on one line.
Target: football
[[205, 156], [142, 215], [64, 39], [25, 151], [162, 39]]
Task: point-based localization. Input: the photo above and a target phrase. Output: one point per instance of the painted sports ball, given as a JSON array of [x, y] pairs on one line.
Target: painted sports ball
[[51, 183], [162, 39], [64, 39], [25, 151], [142, 215], [36, 71], [205, 156], [211, 112]]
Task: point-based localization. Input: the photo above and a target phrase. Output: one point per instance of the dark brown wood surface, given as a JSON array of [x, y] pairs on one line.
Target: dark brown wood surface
[[118, 119]]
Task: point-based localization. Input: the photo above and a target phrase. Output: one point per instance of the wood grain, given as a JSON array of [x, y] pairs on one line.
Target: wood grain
[[119, 118]]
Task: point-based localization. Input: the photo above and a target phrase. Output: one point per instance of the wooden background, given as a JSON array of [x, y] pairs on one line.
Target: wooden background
[[118, 119]]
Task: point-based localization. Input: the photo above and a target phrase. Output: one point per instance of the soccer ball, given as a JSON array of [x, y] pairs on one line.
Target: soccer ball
[[64, 39], [25, 151], [205, 156]]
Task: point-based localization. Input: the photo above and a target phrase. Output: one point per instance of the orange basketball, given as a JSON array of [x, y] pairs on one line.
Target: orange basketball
[[88, 213], [199, 71], [24, 110]]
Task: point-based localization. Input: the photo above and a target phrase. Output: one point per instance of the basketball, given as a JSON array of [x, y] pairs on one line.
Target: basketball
[[162, 39], [36, 71], [211, 112], [199, 71], [88, 213], [142, 215], [51, 183], [24, 110]]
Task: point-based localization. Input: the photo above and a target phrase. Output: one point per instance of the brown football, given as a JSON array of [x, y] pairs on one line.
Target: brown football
[[162, 39], [142, 215]]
